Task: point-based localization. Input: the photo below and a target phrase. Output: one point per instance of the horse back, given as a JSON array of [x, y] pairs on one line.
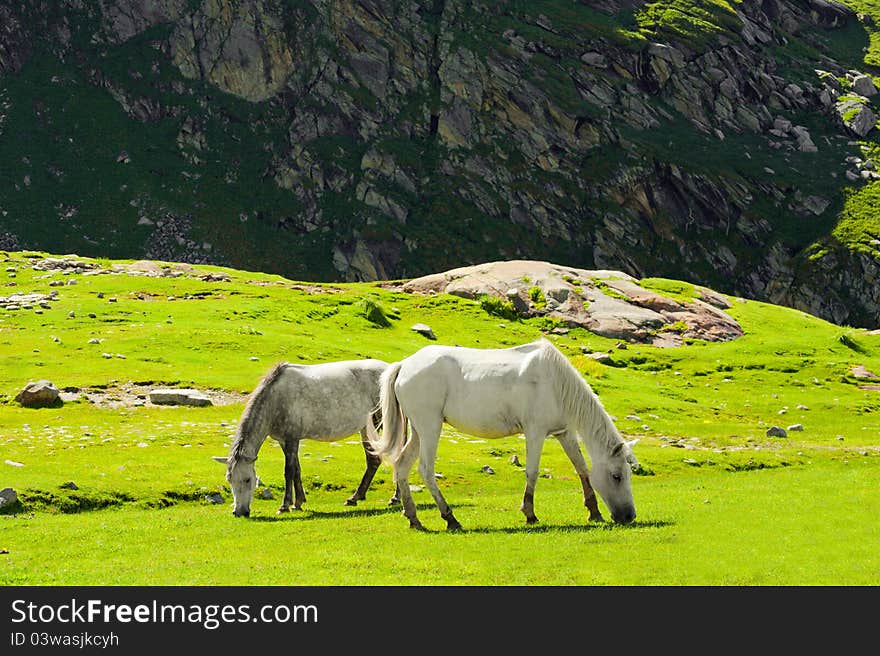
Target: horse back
[[327, 400]]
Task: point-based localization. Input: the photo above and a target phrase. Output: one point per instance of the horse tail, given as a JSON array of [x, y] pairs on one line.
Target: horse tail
[[394, 422]]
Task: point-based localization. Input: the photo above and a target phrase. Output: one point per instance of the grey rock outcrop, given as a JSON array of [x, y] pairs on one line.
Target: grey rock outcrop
[[38, 394], [608, 303]]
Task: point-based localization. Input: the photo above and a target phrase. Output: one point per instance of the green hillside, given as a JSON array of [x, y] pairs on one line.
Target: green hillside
[[711, 482]]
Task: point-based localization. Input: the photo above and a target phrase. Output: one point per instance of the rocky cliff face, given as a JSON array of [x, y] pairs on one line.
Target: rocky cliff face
[[362, 140]]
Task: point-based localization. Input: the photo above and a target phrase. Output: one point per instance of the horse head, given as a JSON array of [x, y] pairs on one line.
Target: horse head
[[242, 478], [611, 476]]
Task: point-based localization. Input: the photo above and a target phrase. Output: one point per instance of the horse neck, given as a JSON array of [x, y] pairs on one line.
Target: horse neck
[[252, 432], [594, 424]]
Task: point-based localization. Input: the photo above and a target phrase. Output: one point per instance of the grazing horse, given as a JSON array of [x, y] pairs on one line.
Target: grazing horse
[[531, 389], [293, 402]]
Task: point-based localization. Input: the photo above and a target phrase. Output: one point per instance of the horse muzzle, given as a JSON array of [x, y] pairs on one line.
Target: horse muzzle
[[624, 517]]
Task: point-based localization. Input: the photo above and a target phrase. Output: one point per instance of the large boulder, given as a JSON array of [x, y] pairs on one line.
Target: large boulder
[[38, 394], [608, 303]]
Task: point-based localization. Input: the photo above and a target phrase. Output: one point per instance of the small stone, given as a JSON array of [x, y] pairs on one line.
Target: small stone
[[69, 485], [8, 497], [423, 329], [776, 431], [266, 493], [601, 358], [214, 497], [486, 469], [796, 427], [515, 461]]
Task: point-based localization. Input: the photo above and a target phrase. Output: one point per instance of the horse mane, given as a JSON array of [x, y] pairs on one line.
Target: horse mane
[[253, 410], [579, 402]]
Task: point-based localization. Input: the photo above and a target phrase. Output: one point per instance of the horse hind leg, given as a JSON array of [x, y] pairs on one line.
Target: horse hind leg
[[573, 451], [373, 462], [402, 468], [427, 457]]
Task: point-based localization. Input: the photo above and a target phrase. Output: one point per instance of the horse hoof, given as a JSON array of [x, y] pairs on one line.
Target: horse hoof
[[454, 526], [416, 525], [283, 509], [351, 502], [597, 518], [531, 520], [393, 502]]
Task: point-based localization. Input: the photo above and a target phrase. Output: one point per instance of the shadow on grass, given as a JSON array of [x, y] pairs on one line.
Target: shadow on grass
[[570, 528], [307, 515]]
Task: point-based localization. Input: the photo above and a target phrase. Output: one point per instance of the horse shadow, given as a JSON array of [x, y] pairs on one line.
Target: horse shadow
[[317, 515], [586, 527], [308, 514]]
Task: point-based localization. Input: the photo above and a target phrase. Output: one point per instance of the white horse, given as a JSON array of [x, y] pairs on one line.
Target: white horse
[[531, 389], [293, 402]]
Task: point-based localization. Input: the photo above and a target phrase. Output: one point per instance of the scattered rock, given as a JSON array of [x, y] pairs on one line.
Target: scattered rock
[[515, 461], [39, 394], [69, 485], [266, 493], [795, 427], [8, 497], [214, 497], [864, 86], [166, 396], [486, 469], [859, 371], [776, 431], [601, 358], [13, 463], [423, 329]]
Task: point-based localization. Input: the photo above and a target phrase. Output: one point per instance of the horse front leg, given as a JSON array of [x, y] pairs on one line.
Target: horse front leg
[[573, 451], [292, 478], [373, 462], [534, 444]]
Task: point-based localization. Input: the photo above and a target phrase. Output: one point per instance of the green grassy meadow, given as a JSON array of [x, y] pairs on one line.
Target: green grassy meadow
[[719, 502]]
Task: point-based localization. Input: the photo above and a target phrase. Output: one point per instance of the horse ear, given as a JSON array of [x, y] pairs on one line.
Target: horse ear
[[223, 459], [630, 456]]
